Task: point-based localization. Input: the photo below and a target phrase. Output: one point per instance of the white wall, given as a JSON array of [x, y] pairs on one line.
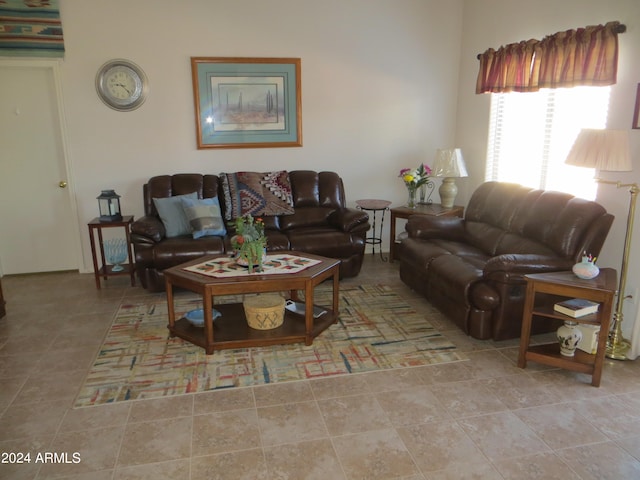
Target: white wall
[[379, 89], [492, 23]]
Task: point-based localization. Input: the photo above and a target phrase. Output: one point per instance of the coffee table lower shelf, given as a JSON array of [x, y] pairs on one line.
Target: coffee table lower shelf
[[232, 331], [549, 354]]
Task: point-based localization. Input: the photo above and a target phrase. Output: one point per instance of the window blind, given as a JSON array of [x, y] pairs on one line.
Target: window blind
[[530, 135]]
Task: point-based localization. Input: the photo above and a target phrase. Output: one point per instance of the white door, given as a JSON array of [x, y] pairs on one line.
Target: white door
[[37, 226]]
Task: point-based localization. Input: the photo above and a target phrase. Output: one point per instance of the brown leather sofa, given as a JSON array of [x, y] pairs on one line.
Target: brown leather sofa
[[321, 224], [472, 268]]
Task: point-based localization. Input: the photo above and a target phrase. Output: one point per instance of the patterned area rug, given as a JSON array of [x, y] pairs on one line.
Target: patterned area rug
[[376, 330]]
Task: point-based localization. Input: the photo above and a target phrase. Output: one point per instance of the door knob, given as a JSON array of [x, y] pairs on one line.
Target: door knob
[[62, 184]]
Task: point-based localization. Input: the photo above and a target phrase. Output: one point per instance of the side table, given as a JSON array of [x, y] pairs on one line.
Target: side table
[[375, 206], [105, 270], [546, 289], [434, 209]]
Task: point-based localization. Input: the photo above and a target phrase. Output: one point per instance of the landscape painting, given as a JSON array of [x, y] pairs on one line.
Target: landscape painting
[[247, 102]]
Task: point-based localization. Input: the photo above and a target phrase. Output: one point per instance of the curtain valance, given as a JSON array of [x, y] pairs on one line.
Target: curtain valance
[[584, 56]]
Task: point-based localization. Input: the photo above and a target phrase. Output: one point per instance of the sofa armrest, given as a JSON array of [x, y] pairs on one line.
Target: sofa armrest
[[427, 227], [148, 229], [349, 219], [516, 266]]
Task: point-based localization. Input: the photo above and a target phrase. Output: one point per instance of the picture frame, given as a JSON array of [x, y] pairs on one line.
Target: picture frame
[[246, 102], [636, 112]]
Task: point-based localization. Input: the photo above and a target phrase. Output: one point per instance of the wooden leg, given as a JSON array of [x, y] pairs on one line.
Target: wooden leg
[[170, 307], [392, 239], [308, 313], [526, 325], [607, 307], [336, 295], [132, 270], [95, 258], [207, 303], [104, 262]]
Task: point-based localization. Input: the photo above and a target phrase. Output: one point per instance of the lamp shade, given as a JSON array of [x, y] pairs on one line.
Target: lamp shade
[[449, 163], [601, 149]]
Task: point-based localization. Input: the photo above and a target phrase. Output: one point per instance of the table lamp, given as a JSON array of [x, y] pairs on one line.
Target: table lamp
[[449, 165], [608, 150]]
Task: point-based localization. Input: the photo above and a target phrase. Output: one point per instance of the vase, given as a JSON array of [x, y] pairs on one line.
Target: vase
[[115, 252], [251, 261], [423, 194], [585, 269], [411, 201], [569, 335]]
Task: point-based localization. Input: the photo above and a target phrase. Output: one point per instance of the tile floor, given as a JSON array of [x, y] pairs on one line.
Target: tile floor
[[481, 419]]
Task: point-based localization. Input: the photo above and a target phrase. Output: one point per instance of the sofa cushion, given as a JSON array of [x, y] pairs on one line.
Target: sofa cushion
[[172, 214], [174, 251], [256, 193], [204, 216], [324, 241], [306, 217]]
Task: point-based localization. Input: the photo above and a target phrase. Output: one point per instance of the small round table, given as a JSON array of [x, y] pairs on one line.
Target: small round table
[[375, 206]]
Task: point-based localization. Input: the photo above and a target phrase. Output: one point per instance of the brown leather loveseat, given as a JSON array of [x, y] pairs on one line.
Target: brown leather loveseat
[[320, 224], [472, 268]]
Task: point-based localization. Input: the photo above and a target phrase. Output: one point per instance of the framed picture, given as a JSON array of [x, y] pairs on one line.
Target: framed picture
[[636, 112], [247, 102]]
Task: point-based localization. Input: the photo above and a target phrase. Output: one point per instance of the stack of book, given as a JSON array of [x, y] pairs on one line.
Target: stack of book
[[576, 307]]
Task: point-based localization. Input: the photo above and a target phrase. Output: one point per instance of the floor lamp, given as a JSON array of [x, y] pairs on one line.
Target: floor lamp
[[608, 150]]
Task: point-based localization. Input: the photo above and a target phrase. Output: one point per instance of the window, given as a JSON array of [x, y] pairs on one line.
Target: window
[[530, 135]]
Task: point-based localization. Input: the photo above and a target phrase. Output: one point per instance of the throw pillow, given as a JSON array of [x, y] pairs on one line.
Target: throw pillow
[[172, 214], [204, 216], [256, 193]]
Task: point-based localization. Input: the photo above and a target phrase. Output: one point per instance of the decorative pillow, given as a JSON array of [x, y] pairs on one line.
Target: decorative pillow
[[204, 216], [172, 214], [255, 193]]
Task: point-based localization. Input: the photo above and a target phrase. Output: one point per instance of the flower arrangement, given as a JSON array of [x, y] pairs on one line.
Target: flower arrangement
[[249, 241], [413, 179]]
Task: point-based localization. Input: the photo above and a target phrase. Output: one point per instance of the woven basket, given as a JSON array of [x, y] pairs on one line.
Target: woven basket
[[264, 312]]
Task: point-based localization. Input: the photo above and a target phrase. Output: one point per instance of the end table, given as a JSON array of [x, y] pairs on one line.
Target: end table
[[434, 209], [105, 270], [545, 289], [375, 206]]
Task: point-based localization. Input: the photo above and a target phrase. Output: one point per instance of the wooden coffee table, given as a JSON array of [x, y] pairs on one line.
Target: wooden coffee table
[[231, 329]]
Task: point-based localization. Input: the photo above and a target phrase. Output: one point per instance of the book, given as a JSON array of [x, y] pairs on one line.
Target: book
[[589, 341], [576, 307]]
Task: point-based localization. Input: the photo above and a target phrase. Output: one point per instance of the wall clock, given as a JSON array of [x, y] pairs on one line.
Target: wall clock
[[122, 85]]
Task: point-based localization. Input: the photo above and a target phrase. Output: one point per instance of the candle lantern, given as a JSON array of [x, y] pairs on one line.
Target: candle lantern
[[109, 204]]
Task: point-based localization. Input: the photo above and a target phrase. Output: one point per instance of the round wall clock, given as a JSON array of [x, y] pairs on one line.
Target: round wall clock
[[122, 85]]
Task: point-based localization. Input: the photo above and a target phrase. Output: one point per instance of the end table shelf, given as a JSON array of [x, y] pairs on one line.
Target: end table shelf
[[549, 354], [231, 329], [543, 290]]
